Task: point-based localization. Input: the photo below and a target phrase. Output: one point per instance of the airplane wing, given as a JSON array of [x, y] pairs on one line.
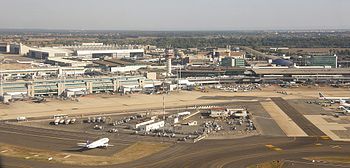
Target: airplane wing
[[81, 144]]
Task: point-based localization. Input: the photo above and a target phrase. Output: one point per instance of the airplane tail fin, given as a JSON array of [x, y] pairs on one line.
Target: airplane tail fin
[[321, 95], [342, 101]]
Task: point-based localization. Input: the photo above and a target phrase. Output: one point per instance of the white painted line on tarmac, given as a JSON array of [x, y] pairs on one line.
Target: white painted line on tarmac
[[67, 156]]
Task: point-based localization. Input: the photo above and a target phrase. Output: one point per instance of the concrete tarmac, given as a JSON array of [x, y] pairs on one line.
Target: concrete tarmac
[[206, 153]]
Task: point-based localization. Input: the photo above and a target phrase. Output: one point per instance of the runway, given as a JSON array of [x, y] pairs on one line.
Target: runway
[[245, 152], [61, 141], [206, 153], [298, 118]]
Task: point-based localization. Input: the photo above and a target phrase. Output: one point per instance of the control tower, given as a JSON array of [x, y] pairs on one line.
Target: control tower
[[169, 54]]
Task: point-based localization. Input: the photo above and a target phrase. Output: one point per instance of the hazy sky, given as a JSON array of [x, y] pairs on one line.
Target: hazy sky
[[175, 14]]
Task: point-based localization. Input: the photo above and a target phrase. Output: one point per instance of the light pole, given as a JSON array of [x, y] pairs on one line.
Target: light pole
[[1, 80], [163, 107]]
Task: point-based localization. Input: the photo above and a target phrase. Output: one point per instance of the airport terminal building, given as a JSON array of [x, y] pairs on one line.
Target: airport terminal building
[[61, 86]]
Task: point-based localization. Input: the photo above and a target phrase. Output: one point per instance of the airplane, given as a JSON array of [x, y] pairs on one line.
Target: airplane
[[335, 99], [344, 106], [95, 144], [344, 103], [344, 109]]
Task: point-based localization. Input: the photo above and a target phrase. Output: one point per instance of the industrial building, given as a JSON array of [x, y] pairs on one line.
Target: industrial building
[[86, 50], [47, 52], [99, 50]]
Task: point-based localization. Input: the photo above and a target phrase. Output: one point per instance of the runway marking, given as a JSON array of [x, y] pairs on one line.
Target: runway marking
[[51, 137], [67, 156], [336, 146], [277, 149], [325, 137], [269, 146], [272, 147], [267, 118], [318, 163]]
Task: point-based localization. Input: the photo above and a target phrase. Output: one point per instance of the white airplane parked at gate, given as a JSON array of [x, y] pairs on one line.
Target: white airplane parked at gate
[[101, 143], [344, 106], [344, 103], [335, 99]]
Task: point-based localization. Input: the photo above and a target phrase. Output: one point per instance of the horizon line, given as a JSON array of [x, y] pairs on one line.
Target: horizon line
[[183, 30]]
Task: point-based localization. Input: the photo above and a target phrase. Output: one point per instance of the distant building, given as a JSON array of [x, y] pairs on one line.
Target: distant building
[[47, 52], [325, 60], [14, 48], [121, 65], [151, 75], [4, 47], [232, 62], [88, 50], [42, 72], [66, 62], [281, 62]]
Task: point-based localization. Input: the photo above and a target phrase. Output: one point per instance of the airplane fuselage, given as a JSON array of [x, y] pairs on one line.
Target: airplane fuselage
[[99, 143]]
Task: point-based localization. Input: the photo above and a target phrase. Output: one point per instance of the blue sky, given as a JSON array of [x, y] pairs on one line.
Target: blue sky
[[175, 14]]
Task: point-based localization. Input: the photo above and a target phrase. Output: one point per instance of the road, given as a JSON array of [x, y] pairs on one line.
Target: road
[[206, 153], [258, 53]]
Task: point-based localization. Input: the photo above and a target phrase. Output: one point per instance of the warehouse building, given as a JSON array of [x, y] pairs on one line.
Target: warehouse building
[[113, 53], [88, 50], [47, 52], [100, 50]]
